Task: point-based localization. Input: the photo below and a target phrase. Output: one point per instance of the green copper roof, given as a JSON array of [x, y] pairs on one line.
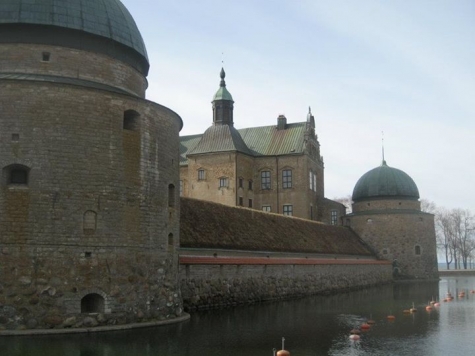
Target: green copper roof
[[223, 94], [385, 182], [220, 138], [259, 141], [105, 18]]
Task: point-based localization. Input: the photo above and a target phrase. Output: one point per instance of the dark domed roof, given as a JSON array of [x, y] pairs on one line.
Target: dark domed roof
[[105, 18], [385, 182]]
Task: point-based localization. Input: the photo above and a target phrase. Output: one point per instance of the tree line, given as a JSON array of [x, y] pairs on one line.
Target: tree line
[[455, 232]]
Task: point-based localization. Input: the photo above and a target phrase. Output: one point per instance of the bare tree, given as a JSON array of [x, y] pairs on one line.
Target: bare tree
[[428, 206], [346, 201], [444, 233], [463, 223]]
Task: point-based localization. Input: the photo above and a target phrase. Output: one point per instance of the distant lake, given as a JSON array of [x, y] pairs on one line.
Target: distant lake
[[317, 325]]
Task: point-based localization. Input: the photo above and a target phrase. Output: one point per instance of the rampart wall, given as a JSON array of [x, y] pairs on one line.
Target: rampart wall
[[214, 282]]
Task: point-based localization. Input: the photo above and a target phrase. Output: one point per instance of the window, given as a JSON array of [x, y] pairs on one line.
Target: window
[[171, 196], [417, 250], [241, 201], [266, 208], [92, 303], [171, 242], [45, 56], [89, 221], [312, 179], [288, 210], [265, 180], [250, 185], [223, 182], [334, 217], [250, 203], [181, 188], [240, 182], [286, 178], [16, 174], [131, 120], [201, 174]]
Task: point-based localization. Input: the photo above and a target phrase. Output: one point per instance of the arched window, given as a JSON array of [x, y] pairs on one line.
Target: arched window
[[89, 221], [92, 303], [16, 174], [171, 196], [171, 242], [131, 120]]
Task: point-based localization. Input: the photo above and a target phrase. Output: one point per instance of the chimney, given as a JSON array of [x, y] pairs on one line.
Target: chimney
[[281, 122]]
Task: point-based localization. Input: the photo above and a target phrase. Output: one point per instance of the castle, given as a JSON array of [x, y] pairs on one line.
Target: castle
[[274, 168], [92, 176]]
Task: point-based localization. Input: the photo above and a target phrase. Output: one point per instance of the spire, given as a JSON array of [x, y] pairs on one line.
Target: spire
[[310, 120], [309, 115], [223, 103], [383, 163], [222, 75]]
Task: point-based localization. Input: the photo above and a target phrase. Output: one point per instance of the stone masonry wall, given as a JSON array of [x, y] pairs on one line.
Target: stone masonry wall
[[71, 63], [99, 215], [394, 236], [218, 285]]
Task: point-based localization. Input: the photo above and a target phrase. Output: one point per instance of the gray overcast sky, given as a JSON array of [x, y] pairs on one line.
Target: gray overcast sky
[[403, 67]]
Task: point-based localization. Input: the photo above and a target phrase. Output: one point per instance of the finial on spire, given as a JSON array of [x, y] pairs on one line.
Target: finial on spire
[[222, 75], [382, 148]]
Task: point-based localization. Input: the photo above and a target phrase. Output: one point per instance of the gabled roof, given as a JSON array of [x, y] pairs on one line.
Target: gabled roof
[[258, 141]]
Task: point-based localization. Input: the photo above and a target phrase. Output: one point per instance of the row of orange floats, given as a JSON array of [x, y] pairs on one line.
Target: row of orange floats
[[355, 333]]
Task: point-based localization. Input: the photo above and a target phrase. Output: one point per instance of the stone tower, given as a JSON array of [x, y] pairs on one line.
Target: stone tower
[[387, 215], [88, 206]]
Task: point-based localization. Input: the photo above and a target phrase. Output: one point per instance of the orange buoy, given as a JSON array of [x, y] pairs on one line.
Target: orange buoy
[[429, 308], [282, 352], [406, 311], [436, 304], [365, 326], [371, 322], [354, 337], [391, 317]]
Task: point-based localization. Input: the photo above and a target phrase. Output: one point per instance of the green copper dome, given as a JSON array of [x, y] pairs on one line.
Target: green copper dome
[[385, 182], [108, 19]]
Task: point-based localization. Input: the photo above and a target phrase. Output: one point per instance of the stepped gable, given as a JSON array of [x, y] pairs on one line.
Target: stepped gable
[[210, 225]]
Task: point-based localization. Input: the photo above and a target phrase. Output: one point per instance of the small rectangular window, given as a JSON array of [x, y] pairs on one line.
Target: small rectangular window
[[288, 210], [250, 203], [286, 178], [201, 174], [266, 208], [334, 217], [250, 185], [240, 182], [45, 56], [241, 202], [181, 188], [223, 182], [265, 180]]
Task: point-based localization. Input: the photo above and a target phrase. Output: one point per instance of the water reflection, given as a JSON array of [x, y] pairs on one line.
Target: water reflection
[[311, 326]]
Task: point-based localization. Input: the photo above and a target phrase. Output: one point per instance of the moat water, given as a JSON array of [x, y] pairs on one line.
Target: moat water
[[311, 326]]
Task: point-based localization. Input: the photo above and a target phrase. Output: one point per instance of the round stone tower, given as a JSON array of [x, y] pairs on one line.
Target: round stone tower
[[89, 220], [387, 215]]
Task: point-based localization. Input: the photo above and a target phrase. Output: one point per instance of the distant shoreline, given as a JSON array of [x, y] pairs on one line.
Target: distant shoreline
[[457, 272]]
